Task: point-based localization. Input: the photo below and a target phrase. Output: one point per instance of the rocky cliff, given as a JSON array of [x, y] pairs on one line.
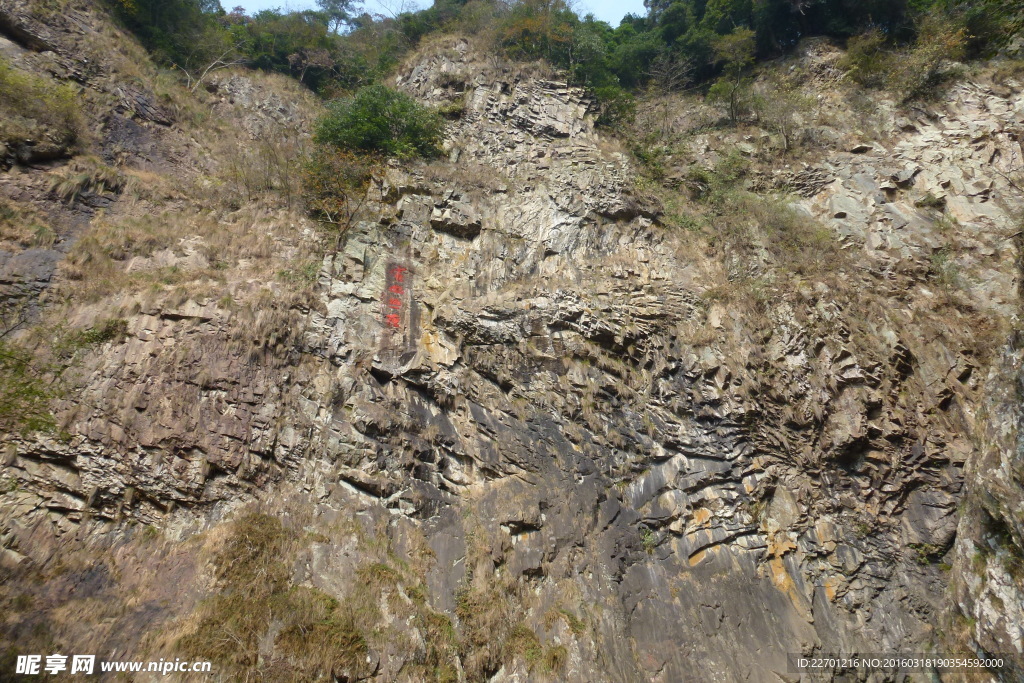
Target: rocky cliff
[[518, 423]]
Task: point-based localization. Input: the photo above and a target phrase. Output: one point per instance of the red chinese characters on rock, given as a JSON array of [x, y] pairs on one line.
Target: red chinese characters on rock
[[393, 297]]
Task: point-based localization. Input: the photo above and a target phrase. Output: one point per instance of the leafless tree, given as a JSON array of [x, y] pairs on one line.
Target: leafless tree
[[671, 73], [227, 59]]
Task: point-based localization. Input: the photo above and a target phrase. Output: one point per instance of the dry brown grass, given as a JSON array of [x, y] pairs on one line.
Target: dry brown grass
[[134, 254], [23, 225], [468, 175], [255, 596]]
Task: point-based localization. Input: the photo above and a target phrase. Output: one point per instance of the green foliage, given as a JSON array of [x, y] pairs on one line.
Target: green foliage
[[866, 60], [379, 119], [297, 43], [930, 201], [334, 184], [716, 186], [735, 52], [522, 641], [540, 29], [781, 107], [648, 540], [113, 329], [678, 43], [872, 59], [25, 391], [926, 553], [34, 108], [615, 106], [940, 39], [338, 12], [989, 24], [185, 32]]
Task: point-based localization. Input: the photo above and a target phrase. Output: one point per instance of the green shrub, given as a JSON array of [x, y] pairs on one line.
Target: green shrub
[[35, 108], [379, 119], [615, 106], [184, 32], [911, 72], [523, 641], [930, 201], [334, 184], [112, 329], [648, 539], [24, 392], [940, 39], [735, 52], [539, 29], [867, 61], [782, 108], [990, 24]]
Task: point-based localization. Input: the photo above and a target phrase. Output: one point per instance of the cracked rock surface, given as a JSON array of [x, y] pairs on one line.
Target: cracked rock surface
[[521, 371]]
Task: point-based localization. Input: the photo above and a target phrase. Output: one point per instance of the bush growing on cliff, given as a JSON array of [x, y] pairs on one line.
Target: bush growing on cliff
[[32, 108], [379, 119], [334, 184], [914, 71], [26, 383], [24, 393], [940, 39], [736, 53]]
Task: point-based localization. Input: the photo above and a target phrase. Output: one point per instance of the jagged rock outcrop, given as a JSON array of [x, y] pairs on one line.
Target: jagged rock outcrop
[[526, 382]]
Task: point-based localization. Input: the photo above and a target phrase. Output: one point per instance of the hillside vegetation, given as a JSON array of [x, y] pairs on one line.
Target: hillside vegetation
[[678, 43]]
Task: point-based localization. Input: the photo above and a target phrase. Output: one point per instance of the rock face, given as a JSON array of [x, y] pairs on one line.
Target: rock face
[[519, 371]]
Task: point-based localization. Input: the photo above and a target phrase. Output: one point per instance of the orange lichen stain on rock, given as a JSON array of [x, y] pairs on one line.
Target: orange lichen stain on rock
[[784, 582], [701, 515], [832, 586], [825, 530], [780, 576], [697, 557], [435, 350], [780, 543]]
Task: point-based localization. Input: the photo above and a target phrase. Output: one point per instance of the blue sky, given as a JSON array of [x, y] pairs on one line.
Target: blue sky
[[611, 11]]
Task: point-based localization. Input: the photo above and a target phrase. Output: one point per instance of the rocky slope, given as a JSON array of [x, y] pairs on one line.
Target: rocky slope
[[518, 423]]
